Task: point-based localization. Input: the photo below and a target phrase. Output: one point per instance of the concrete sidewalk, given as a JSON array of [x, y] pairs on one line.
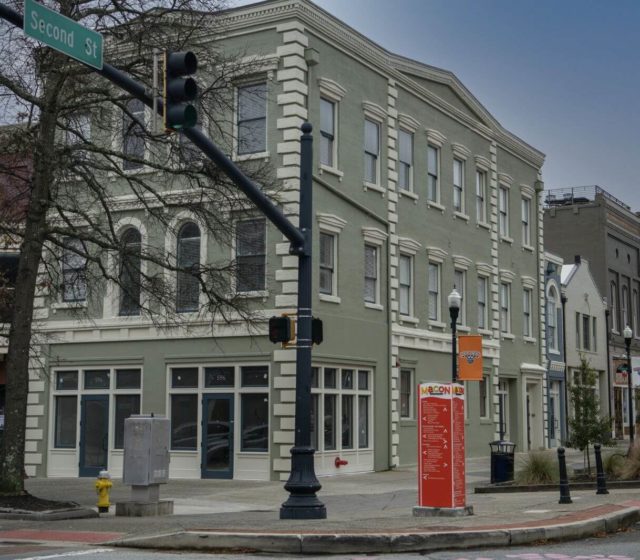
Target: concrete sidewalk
[[366, 513]]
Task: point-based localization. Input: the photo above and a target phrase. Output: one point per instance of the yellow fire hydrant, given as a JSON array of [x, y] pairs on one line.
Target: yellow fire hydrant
[[103, 485]]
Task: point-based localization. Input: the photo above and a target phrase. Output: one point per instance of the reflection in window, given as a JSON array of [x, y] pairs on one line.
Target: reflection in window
[[133, 141], [126, 405], [184, 417], [252, 119], [65, 422], [130, 272], [255, 422], [74, 266], [251, 255], [188, 259]]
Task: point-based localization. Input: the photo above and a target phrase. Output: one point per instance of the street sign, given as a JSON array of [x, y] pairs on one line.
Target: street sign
[[62, 34]]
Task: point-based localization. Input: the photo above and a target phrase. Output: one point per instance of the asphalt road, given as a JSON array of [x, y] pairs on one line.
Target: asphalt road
[[621, 546]]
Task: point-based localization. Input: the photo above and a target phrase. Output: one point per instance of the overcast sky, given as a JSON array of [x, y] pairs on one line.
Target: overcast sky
[[564, 75]]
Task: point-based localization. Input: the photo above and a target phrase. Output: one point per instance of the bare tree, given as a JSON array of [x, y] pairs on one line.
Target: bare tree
[[96, 160]]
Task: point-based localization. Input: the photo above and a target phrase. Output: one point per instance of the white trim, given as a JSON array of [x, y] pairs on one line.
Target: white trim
[[436, 254], [436, 138], [408, 123], [461, 263], [408, 245], [330, 89], [374, 112], [374, 236], [459, 151], [330, 222]]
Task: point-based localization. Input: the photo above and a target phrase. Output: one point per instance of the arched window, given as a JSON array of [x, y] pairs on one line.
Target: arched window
[[129, 277], [188, 259], [552, 319], [614, 307]]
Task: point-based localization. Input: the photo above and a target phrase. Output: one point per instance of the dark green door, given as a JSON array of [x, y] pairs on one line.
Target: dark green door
[[94, 434], [217, 436]]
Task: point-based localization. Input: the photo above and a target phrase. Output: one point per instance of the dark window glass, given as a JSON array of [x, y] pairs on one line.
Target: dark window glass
[[184, 377], [250, 255], [252, 119], [96, 379], [255, 422], [329, 422], [347, 421], [314, 421], [126, 405], [133, 141], [219, 377], [255, 376], [129, 277], [65, 428], [74, 265], [347, 379], [184, 417], [66, 380], [330, 378], [127, 379], [188, 260], [327, 245], [363, 380], [405, 393], [327, 134], [314, 377], [363, 421]]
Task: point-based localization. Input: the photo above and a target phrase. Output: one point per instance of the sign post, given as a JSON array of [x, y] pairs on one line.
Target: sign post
[[63, 34], [441, 469]]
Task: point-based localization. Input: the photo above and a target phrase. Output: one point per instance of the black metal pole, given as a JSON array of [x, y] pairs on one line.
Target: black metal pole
[[453, 313], [565, 494], [303, 484], [627, 343], [608, 332], [601, 480], [563, 300]]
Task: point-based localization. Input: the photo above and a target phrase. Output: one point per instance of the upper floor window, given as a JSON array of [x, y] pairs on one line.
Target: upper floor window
[[458, 185], [327, 132], [552, 321], [433, 172], [327, 263], [433, 302], [406, 393], [527, 296], [251, 255], [371, 151], [130, 272], [459, 282], [252, 119], [526, 221], [613, 289], [405, 280], [634, 313], [74, 264], [505, 307], [133, 141], [370, 273], [188, 259], [405, 160], [481, 203], [503, 220], [583, 332], [482, 302], [625, 306]]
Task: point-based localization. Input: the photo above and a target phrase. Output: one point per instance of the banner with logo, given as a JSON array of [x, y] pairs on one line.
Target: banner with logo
[[470, 357]]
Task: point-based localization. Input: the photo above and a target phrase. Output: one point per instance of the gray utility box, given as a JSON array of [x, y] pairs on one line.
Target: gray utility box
[[146, 450]]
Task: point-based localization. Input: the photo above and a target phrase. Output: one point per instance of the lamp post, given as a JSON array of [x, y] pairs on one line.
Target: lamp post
[[628, 333], [454, 300]]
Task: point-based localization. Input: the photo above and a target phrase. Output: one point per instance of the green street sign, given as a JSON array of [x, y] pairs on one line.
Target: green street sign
[[62, 34]]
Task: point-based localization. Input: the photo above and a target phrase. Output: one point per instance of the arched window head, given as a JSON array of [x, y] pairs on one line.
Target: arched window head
[[188, 261], [130, 273]]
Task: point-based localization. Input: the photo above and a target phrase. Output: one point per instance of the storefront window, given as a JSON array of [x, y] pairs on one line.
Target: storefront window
[[255, 422], [184, 418], [65, 423]]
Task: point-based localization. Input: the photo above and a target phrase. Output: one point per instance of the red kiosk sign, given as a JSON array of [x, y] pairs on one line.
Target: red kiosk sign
[[441, 473]]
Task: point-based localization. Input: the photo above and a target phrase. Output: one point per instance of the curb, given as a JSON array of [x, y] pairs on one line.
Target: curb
[[347, 543], [49, 515], [507, 488]]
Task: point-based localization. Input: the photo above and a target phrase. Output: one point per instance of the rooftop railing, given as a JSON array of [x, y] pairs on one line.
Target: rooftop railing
[[578, 195]]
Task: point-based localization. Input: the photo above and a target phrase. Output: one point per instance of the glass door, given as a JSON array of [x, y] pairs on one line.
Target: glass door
[[217, 436], [94, 434]]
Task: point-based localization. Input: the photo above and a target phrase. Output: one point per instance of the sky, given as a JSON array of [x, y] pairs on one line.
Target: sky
[[563, 75]]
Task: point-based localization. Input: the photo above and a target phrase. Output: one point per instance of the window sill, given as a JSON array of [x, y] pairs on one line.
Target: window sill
[[506, 239], [69, 305], [529, 339], [485, 332], [436, 205], [329, 298], [372, 187], [437, 324], [461, 216], [249, 157], [507, 336], [331, 171], [463, 328], [408, 319], [408, 194], [376, 306], [484, 225], [254, 294], [407, 422], [528, 248]]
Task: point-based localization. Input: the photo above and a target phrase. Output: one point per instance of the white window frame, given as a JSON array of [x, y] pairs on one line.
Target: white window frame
[[263, 292], [461, 274], [79, 282], [481, 196], [486, 381], [409, 187], [505, 307], [482, 304], [246, 83], [331, 225], [527, 310], [375, 238], [404, 375], [372, 181], [526, 221], [613, 290], [503, 212], [433, 197], [458, 189], [404, 257], [552, 318], [624, 305], [375, 115], [332, 138], [434, 275]]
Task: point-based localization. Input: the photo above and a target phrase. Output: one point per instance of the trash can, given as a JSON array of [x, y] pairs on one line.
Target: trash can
[[502, 459]]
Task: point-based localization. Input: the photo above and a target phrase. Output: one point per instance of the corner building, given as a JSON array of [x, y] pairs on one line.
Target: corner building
[[417, 188]]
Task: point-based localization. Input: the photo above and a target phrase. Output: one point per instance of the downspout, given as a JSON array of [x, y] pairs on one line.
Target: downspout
[[563, 299], [606, 323]]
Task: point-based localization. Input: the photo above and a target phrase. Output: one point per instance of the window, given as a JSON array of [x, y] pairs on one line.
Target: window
[[405, 280], [552, 319], [586, 332], [459, 283], [126, 406], [405, 159], [526, 221], [594, 346], [129, 277], [406, 393], [370, 274], [254, 422], [433, 156], [78, 134], [433, 297], [133, 141], [327, 263], [578, 325], [188, 259], [341, 400], [252, 119], [251, 255], [66, 421], [481, 186], [634, 313], [625, 306], [184, 422], [482, 302], [371, 151], [614, 307], [458, 185], [327, 132], [505, 307], [74, 265], [526, 312], [503, 218], [483, 388]]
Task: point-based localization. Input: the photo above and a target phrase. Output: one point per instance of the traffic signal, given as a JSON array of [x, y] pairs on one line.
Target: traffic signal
[[179, 90], [281, 329], [316, 331]]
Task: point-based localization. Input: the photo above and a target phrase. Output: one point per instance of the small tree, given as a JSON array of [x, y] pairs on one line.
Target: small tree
[[587, 425]]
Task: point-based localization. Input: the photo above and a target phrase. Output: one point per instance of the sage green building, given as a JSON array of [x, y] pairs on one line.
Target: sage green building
[[417, 188]]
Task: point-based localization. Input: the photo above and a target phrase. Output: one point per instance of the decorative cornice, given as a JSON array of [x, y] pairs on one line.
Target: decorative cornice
[[507, 275], [408, 123], [374, 111], [482, 163], [461, 262], [528, 282], [331, 89], [460, 151], [505, 179], [409, 245], [484, 268], [527, 190], [436, 138], [374, 235], [532, 368], [331, 222], [436, 254]]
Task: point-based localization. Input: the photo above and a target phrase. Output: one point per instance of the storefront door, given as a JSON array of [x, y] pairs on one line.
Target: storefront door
[[217, 436], [94, 434]]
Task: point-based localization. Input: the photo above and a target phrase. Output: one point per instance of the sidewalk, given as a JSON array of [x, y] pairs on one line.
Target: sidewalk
[[365, 513]]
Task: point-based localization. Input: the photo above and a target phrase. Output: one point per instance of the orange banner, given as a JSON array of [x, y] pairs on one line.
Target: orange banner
[[470, 357]]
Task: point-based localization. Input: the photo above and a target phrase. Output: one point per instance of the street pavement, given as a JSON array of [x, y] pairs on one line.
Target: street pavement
[[365, 513]]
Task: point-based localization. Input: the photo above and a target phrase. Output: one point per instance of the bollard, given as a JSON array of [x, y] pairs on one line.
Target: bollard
[[601, 480], [565, 495]]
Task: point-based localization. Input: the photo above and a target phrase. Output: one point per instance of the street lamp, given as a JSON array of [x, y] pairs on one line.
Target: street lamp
[[628, 333], [454, 300]]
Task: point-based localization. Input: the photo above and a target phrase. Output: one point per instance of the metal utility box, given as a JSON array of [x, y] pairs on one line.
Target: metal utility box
[[146, 450]]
